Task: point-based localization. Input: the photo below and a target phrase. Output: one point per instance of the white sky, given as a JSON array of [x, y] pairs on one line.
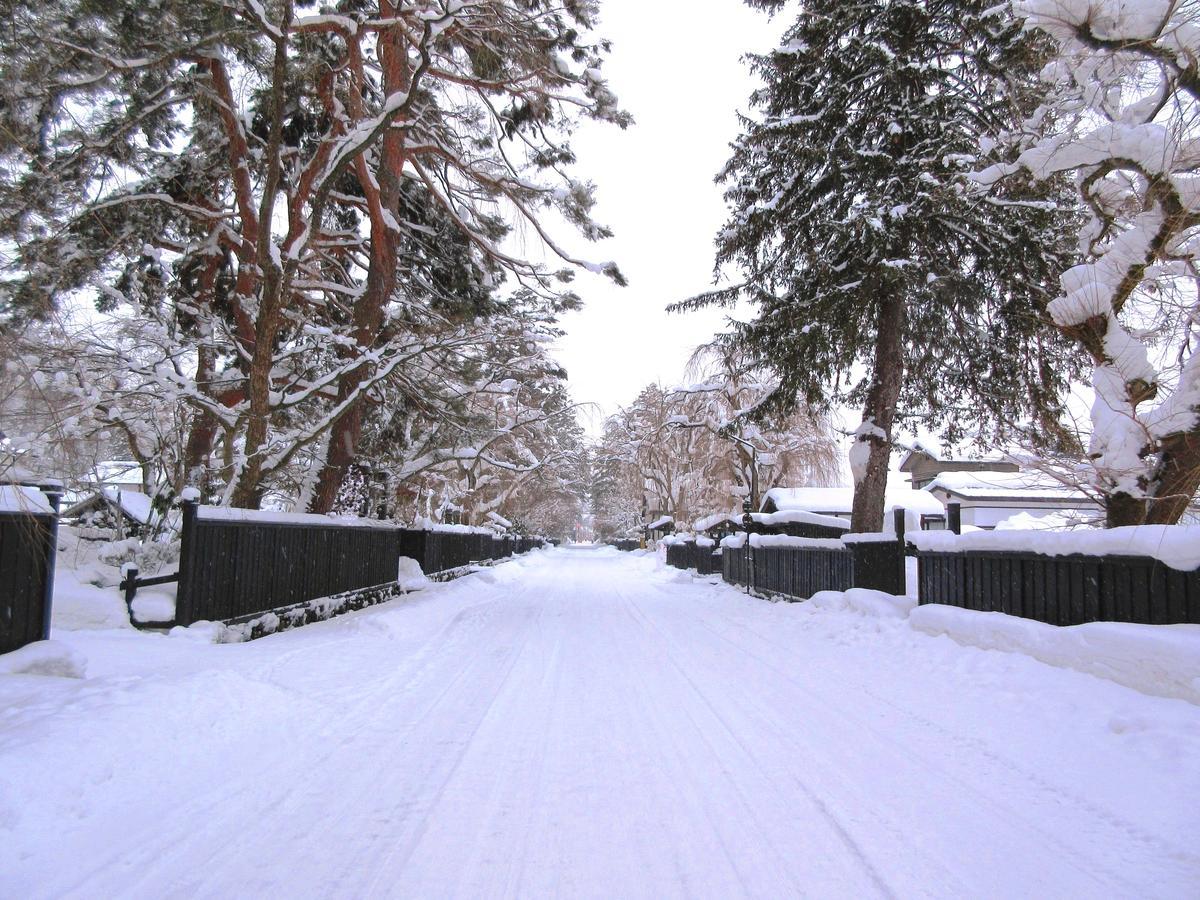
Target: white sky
[[676, 66]]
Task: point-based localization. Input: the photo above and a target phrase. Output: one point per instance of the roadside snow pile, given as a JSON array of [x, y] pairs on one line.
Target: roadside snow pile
[[83, 605], [410, 577], [44, 658], [151, 606], [875, 604], [1163, 660], [1178, 546]]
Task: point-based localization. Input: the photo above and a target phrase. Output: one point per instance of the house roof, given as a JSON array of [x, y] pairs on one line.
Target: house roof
[[840, 500], [117, 471], [135, 506], [932, 452], [499, 519], [660, 522], [993, 485]]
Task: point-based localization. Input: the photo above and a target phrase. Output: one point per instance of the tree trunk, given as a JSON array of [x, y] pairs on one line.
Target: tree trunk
[[346, 432], [880, 410], [1178, 478]]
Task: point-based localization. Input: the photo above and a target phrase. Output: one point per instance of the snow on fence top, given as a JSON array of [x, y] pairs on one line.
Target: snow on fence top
[[801, 517], [16, 498], [768, 541], [1177, 546], [430, 525], [274, 517]]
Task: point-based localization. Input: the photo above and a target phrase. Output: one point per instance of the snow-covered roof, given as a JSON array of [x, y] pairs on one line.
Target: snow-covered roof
[[840, 500], [709, 521], [117, 471], [499, 520], [958, 454], [660, 522], [134, 505], [992, 485]]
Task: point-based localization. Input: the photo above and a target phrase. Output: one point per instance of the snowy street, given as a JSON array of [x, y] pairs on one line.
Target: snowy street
[[581, 722]]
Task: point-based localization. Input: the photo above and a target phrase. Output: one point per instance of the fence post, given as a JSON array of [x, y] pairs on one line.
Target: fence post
[[187, 535], [130, 586], [954, 517], [53, 492]]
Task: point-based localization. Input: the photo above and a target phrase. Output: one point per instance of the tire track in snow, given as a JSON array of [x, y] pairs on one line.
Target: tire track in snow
[[205, 821], [837, 827], [1017, 821]]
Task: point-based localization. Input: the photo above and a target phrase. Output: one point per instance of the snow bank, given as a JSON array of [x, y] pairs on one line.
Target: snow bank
[[1178, 546], [150, 606], [80, 606], [1163, 660], [44, 658], [874, 604]]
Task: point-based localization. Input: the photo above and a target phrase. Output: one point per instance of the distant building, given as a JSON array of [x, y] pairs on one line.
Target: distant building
[[923, 465], [659, 529], [119, 474], [922, 509], [110, 514], [988, 498]]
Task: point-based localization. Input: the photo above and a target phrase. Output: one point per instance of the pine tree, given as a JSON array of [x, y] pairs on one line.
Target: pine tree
[[859, 242], [303, 204]]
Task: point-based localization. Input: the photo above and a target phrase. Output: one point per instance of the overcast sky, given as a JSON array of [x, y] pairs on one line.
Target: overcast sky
[[676, 67]]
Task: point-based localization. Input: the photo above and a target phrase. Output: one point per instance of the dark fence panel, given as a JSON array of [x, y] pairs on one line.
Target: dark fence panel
[[441, 551], [1062, 590], [27, 547], [230, 569], [790, 571]]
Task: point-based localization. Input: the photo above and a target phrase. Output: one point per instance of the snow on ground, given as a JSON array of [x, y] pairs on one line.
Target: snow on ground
[[586, 723]]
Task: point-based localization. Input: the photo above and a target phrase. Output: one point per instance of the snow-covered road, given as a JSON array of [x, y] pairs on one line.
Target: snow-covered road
[[585, 723]]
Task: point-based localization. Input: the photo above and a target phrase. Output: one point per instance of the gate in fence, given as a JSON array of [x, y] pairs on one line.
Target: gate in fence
[[28, 544]]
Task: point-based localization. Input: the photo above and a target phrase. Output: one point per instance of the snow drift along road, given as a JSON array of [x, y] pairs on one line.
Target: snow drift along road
[[584, 723]]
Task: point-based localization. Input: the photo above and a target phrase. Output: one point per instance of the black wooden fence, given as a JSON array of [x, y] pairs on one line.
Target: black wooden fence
[[28, 544], [705, 558], [789, 571], [1061, 590], [230, 568], [858, 561], [233, 566]]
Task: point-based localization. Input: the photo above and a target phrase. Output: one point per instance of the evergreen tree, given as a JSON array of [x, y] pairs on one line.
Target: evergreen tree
[[860, 242]]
